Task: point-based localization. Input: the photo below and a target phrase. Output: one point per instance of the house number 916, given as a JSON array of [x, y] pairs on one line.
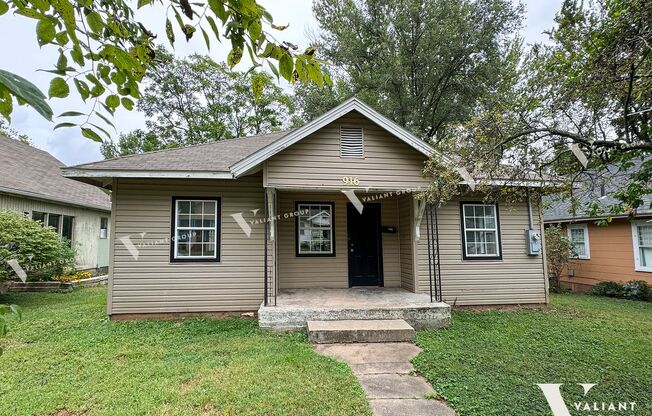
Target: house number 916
[[351, 180]]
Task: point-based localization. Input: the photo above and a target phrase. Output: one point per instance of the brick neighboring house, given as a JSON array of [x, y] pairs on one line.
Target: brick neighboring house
[[620, 252]]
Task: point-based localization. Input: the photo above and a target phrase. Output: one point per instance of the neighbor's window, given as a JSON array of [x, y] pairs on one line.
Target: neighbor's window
[[66, 227], [39, 216], [104, 227], [196, 229], [315, 229], [480, 234], [579, 237], [642, 238]]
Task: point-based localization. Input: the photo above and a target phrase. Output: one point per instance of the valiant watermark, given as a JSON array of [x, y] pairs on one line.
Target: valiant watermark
[[558, 406]]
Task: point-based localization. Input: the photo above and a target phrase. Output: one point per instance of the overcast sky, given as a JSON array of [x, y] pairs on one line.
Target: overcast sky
[[22, 56]]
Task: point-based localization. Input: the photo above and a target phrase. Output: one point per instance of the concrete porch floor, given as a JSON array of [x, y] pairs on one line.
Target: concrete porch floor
[[294, 307]]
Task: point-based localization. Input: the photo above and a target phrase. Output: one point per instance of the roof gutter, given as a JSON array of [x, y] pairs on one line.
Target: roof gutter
[[169, 174], [581, 219]]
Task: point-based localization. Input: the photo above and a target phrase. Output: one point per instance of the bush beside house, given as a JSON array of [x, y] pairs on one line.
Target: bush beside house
[[634, 290], [39, 250]]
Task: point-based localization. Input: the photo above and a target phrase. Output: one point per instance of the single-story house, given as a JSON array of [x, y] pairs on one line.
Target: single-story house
[[226, 226], [31, 183], [620, 251]]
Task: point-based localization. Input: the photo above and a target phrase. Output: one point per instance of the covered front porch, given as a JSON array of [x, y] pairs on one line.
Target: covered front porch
[[341, 255], [295, 307]]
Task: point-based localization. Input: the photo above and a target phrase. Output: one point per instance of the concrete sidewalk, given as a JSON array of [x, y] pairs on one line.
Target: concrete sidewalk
[[387, 377]]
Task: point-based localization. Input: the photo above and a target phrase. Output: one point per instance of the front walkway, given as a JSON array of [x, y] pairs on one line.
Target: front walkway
[[387, 377], [294, 307]]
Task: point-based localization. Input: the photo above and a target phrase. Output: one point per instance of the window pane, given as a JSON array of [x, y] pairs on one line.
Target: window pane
[[315, 233], [646, 256], [209, 207], [183, 207], [183, 220], [53, 221], [38, 216], [196, 249], [196, 207], [481, 235], [66, 228], [645, 235], [183, 249]]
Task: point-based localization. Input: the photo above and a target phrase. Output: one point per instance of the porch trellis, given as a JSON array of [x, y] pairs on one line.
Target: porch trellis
[[434, 260]]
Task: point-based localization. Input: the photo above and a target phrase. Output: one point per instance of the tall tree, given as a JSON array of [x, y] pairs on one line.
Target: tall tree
[[581, 110], [197, 100], [423, 63]]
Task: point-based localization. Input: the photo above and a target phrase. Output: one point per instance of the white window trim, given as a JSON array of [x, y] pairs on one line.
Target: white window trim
[[308, 205], [494, 229], [584, 227], [177, 228], [637, 254]]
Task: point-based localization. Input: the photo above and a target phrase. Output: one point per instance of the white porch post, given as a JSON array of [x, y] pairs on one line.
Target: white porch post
[[419, 209]]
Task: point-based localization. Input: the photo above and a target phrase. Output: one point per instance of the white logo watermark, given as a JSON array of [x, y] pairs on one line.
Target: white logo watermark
[[552, 392]]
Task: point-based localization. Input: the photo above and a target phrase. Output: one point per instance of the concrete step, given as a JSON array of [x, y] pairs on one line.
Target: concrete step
[[369, 330]]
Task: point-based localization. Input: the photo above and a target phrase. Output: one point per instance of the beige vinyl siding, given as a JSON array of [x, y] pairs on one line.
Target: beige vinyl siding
[[406, 241], [151, 283], [315, 161], [329, 271], [517, 278], [86, 224]]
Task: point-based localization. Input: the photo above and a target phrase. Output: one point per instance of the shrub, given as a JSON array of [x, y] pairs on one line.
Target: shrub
[[72, 277], [558, 252], [634, 289], [39, 250], [608, 288], [637, 290]]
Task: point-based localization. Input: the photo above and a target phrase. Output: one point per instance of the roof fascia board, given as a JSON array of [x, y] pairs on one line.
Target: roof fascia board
[[352, 104], [582, 219], [47, 198], [96, 173]]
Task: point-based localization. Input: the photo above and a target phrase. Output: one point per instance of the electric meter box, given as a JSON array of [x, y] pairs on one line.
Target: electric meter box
[[534, 242]]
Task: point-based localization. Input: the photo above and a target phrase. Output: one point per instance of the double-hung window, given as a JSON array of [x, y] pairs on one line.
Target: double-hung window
[[315, 234], [642, 239], [480, 231], [196, 228], [579, 237]]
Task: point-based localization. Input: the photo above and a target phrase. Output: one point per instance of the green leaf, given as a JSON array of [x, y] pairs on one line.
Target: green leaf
[[142, 3], [4, 7], [314, 73], [169, 32], [112, 101], [45, 31], [213, 26], [105, 119], [257, 84], [83, 89], [286, 65], [127, 103], [235, 55], [6, 103], [58, 88], [77, 56], [188, 30], [66, 124], [255, 29], [95, 21], [273, 68], [90, 134], [206, 39], [28, 92], [62, 62], [217, 6], [71, 114]]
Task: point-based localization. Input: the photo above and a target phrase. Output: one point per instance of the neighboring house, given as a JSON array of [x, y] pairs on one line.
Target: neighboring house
[[31, 183], [620, 251], [190, 236]]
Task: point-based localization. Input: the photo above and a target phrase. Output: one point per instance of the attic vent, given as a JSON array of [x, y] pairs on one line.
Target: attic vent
[[351, 142]]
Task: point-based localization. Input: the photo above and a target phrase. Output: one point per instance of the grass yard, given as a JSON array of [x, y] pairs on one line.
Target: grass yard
[[488, 363], [66, 358]]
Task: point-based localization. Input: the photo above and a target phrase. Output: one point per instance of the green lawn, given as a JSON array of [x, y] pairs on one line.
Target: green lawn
[[65, 357], [488, 363]]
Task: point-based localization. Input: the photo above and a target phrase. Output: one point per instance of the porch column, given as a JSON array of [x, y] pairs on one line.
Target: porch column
[[419, 209], [270, 237]]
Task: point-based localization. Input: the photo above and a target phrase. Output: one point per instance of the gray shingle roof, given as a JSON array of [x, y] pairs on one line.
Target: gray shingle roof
[[560, 209], [215, 156], [31, 172]]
